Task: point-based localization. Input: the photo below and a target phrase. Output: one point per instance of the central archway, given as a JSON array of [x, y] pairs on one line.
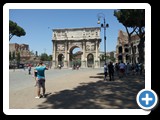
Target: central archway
[[66, 40], [75, 56]]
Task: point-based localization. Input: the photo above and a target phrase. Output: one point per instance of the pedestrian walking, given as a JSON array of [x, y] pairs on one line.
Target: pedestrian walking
[[117, 69], [122, 69], [127, 69], [111, 71], [29, 69]]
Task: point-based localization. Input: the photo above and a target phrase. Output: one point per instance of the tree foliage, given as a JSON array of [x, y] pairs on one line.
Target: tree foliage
[[10, 56], [16, 30], [13, 55], [50, 57], [131, 18], [18, 58], [45, 57]]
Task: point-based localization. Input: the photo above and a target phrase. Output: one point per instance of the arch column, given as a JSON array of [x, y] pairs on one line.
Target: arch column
[[83, 61], [65, 56], [123, 54], [68, 53], [54, 54], [96, 63]]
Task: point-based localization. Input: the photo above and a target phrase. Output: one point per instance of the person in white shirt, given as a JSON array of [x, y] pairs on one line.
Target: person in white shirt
[[122, 69]]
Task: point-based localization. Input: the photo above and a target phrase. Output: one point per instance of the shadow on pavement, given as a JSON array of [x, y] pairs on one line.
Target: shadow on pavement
[[118, 94]]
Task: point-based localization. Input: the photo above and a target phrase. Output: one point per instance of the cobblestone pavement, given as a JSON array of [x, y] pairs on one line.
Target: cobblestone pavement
[[74, 89]]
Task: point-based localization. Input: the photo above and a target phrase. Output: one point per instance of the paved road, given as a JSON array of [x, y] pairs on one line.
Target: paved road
[[74, 89]]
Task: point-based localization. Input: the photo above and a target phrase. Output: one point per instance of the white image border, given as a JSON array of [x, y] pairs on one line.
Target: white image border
[[8, 6]]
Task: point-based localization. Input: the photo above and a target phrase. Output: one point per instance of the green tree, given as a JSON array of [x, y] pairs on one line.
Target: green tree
[[135, 19], [14, 29], [112, 59], [140, 31], [102, 57], [18, 58], [10, 56], [44, 57], [50, 58], [13, 55]]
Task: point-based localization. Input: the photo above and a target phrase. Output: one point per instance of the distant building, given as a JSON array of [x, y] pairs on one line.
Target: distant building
[[111, 54], [123, 49], [109, 57], [23, 49]]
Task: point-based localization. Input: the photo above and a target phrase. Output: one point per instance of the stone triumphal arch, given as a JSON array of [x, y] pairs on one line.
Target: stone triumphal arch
[[65, 40]]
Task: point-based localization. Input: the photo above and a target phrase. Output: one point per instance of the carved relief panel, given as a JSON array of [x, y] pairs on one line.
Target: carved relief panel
[[90, 47], [60, 47]]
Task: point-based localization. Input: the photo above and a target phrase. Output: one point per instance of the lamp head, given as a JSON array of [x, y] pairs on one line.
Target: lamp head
[[98, 21], [107, 25]]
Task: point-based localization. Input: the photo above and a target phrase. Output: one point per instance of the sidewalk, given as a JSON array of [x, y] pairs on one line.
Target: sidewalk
[[82, 89]]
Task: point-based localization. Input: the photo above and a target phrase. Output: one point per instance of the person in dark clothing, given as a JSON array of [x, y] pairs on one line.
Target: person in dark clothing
[[29, 69], [105, 71], [111, 71]]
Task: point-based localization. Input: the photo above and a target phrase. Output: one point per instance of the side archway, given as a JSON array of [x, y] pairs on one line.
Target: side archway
[[61, 59], [90, 60]]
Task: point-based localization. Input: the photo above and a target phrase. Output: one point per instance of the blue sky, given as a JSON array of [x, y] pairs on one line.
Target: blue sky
[[38, 24]]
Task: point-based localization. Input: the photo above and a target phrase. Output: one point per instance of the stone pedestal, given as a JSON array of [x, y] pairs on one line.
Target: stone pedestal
[[54, 64], [83, 64], [65, 64], [96, 64]]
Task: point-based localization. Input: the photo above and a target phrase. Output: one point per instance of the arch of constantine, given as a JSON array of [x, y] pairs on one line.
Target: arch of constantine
[[86, 39]]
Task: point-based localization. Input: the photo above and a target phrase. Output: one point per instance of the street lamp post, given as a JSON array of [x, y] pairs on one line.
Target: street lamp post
[[104, 25]]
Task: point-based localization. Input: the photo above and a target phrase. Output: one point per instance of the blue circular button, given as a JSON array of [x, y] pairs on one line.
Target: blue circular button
[[147, 99]]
